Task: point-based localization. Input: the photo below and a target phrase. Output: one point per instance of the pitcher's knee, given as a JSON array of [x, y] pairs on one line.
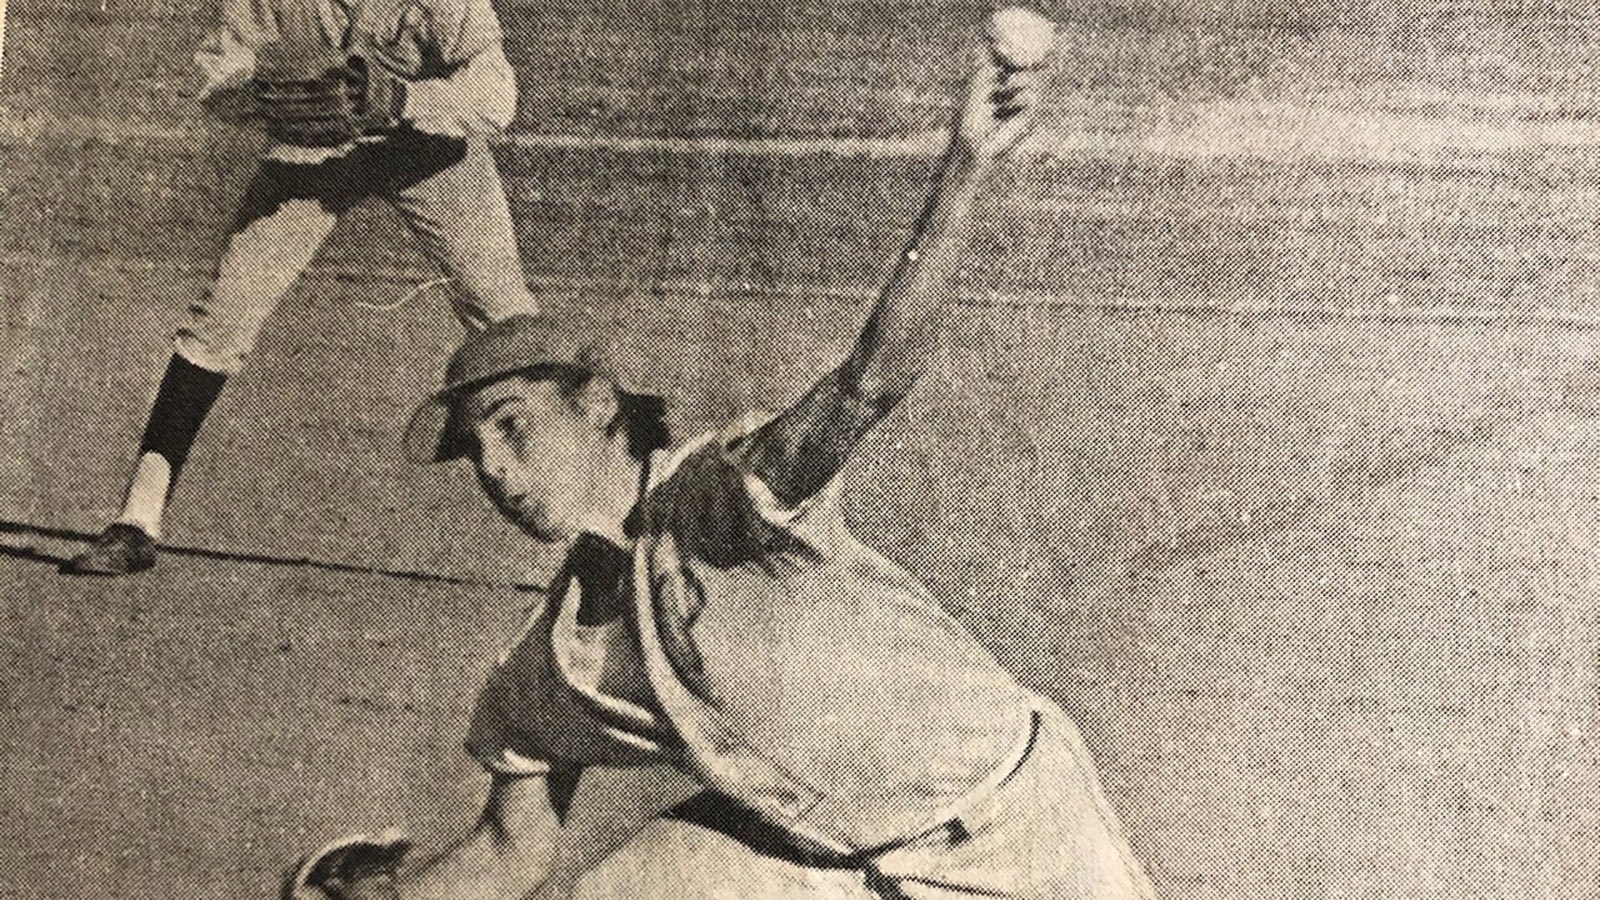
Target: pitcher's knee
[[673, 861]]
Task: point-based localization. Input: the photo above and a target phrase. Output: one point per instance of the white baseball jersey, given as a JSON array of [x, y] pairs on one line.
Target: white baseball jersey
[[448, 51], [821, 685], [818, 686]]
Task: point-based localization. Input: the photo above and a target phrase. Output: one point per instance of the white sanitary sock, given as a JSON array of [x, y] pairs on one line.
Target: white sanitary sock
[[147, 494]]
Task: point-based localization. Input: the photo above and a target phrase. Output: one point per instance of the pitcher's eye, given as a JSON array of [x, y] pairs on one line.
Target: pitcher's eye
[[513, 429], [510, 424]]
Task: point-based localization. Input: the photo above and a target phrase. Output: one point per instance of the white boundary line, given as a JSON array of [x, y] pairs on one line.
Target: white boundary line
[[1397, 314], [40, 129], [1272, 131], [922, 145]]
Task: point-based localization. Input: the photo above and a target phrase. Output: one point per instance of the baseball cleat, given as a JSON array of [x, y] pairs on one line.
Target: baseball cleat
[[121, 549]]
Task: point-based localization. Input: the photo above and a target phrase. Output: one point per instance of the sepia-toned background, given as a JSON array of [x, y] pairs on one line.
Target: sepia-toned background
[[1266, 439]]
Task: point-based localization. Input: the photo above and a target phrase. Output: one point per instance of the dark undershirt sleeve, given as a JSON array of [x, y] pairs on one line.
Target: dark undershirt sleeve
[[799, 452], [707, 509]]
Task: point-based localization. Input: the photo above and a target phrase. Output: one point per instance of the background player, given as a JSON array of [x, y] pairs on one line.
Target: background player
[[405, 123], [715, 613]]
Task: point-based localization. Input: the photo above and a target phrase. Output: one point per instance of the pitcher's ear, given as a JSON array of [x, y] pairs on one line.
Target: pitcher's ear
[[596, 400]]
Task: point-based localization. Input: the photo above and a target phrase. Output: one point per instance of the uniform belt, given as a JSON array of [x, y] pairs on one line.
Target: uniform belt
[[952, 825], [722, 814]]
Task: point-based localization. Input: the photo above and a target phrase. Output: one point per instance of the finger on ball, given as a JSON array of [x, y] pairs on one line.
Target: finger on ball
[[1003, 95], [1020, 102]]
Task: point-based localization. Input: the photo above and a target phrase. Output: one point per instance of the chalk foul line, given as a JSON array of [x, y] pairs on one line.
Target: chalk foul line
[[1275, 131], [408, 279]]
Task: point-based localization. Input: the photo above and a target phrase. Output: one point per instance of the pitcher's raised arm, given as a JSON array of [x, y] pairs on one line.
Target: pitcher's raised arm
[[798, 452]]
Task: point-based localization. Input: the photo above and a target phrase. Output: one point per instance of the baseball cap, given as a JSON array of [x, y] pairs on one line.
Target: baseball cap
[[528, 345]]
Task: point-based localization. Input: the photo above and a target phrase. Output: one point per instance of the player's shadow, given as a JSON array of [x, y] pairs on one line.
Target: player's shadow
[[34, 554], [31, 554]]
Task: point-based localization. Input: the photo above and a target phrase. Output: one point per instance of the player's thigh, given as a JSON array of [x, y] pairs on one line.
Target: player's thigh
[[461, 219], [286, 214], [675, 860], [279, 227]]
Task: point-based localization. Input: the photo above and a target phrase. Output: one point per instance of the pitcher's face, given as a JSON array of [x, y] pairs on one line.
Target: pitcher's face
[[536, 455]]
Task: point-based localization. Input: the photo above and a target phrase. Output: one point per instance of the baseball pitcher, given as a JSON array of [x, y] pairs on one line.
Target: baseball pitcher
[[715, 613], [388, 99]]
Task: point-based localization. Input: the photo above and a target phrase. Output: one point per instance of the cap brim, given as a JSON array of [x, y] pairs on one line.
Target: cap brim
[[431, 435], [427, 435]]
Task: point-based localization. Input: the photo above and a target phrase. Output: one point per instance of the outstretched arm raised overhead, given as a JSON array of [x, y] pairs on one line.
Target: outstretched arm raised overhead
[[798, 452]]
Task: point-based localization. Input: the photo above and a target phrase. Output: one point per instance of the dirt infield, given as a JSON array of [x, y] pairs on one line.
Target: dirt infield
[[1275, 467]]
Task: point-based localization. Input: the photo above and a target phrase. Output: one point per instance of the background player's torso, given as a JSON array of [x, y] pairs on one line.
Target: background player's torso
[[417, 38]]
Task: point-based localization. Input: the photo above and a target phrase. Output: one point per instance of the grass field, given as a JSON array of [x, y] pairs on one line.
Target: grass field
[[1265, 437]]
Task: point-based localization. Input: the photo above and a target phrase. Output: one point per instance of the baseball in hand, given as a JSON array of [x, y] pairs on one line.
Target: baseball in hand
[[1020, 38]]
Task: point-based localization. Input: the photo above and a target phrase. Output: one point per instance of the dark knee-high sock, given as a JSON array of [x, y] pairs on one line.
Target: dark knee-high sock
[[186, 395]]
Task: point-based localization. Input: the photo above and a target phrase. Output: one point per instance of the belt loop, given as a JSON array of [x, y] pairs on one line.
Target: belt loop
[[958, 832]]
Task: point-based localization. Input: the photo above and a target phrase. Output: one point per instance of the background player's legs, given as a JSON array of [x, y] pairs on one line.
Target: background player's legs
[[277, 233], [462, 221]]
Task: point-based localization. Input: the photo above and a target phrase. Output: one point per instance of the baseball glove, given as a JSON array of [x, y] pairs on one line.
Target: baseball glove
[[317, 97], [357, 867]]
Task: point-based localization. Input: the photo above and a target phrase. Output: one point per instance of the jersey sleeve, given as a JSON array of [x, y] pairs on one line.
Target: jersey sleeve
[[718, 511], [226, 59], [813, 517], [471, 28], [528, 721], [251, 23], [469, 88], [478, 96]]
